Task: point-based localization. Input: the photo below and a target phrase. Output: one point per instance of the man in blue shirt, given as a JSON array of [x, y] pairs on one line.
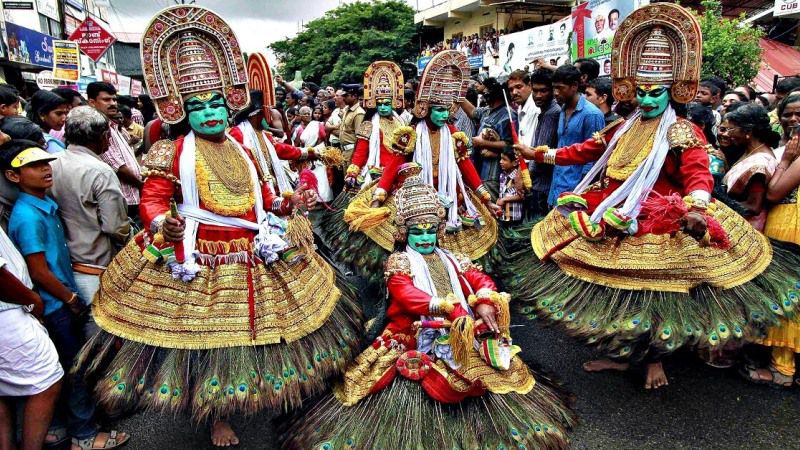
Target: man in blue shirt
[[579, 119], [36, 230]]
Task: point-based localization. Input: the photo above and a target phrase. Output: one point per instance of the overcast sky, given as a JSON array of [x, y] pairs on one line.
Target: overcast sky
[[256, 22]]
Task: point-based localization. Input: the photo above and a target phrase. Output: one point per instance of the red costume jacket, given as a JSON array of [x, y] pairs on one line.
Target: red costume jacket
[[162, 166], [390, 159], [407, 302], [468, 171], [685, 169]]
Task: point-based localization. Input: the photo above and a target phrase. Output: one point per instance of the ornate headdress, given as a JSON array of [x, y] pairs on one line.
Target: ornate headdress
[[416, 201], [187, 50], [259, 78], [383, 79], [659, 43], [443, 83]]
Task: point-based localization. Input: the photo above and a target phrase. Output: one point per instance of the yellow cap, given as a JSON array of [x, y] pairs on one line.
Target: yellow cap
[[30, 155]]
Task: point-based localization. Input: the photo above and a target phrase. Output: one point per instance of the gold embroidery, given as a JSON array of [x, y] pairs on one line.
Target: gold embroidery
[[397, 264], [388, 127], [434, 140], [141, 302], [262, 147], [439, 275], [657, 262], [365, 130], [681, 136], [632, 149], [223, 179], [160, 157], [369, 367]]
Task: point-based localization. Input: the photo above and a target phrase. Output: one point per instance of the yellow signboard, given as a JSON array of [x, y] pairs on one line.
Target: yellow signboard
[[66, 61]]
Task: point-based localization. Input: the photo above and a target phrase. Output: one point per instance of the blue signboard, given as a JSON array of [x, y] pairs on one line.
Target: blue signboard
[[422, 62], [28, 46], [475, 62]]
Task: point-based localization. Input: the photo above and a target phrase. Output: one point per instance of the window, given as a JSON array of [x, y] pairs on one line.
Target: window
[[49, 26], [486, 29]]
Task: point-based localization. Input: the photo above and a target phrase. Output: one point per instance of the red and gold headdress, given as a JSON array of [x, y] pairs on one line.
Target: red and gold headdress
[[188, 50], [260, 77], [658, 44], [383, 79], [443, 83]]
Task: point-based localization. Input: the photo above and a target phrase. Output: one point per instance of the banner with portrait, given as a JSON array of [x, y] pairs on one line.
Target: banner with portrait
[[594, 24], [547, 42]]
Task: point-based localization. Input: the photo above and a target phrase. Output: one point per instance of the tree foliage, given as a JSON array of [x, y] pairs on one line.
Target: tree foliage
[[730, 48], [339, 46]]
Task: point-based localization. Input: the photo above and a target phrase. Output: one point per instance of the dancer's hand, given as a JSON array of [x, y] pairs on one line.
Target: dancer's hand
[[487, 313], [694, 224], [173, 229]]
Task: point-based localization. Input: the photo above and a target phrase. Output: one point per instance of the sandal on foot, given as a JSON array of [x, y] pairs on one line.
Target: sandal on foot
[[779, 380], [55, 437], [112, 441]]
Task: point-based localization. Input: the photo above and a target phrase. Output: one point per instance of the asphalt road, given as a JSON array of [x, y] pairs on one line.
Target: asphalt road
[[702, 408]]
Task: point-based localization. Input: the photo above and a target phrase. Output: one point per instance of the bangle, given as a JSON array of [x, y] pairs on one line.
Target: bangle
[[71, 299], [549, 157]]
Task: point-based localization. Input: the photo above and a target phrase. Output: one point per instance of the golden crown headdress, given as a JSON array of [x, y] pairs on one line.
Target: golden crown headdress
[[443, 83], [416, 201], [383, 79], [186, 50], [659, 43]]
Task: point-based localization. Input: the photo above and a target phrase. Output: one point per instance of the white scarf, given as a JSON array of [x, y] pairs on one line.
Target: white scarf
[[310, 134], [450, 181], [374, 157], [277, 170], [191, 196], [638, 186], [421, 276]]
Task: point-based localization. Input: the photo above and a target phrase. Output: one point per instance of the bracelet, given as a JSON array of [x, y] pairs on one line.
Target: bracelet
[[71, 299], [550, 157], [379, 195]]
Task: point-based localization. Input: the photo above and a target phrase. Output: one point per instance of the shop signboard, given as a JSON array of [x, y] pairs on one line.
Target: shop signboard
[[29, 46]]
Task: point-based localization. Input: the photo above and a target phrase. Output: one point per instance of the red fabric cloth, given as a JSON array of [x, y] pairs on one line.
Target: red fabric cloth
[[407, 302], [390, 161], [158, 191], [682, 173]]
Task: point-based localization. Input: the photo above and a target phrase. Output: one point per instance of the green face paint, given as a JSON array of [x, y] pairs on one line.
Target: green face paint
[[439, 115], [653, 101], [207, 113], [384, 107], [422, 238]]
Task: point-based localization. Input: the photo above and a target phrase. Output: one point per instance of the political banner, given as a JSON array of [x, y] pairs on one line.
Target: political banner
[[66, 61], [124, 85], [548, 42], [594, 24], [109, 77]]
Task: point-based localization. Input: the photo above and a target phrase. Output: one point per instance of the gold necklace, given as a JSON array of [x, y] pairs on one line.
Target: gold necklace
[[752, 152], [226, 164], [388, 125], [632, 149], [439, 275]]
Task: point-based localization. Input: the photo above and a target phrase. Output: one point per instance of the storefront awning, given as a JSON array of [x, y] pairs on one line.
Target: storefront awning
[[777, 59]]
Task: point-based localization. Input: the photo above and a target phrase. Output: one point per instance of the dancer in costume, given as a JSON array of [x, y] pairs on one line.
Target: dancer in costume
[[444, 154], [384, 142], [639, 259], [220, 307], [251, 129], [444, 372]]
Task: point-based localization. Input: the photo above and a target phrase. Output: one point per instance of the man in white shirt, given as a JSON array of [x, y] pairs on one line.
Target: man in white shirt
[[29, 364], [519, 84], [335, 121]]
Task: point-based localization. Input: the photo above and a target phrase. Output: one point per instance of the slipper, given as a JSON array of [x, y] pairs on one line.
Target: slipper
[[112, 441], [778, 381], [60, 435]]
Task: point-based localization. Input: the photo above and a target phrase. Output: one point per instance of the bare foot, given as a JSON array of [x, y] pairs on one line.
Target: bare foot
[[656, 377], [599, 365], [222, 435]]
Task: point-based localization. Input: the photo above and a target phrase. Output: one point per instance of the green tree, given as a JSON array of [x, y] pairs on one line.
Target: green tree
[[339, 46], [730, 47]]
